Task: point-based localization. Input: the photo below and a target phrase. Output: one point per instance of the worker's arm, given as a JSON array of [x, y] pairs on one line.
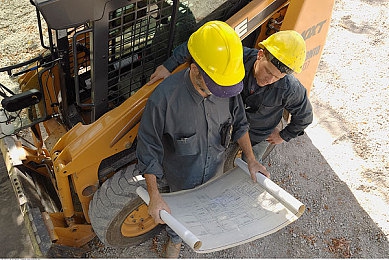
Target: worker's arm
[[180, 56], [150, 152], [240, 135], [157, 203], [253, 165], [300, 109]]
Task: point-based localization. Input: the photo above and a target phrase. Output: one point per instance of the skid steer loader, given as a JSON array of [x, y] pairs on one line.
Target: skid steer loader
[[83, 97]]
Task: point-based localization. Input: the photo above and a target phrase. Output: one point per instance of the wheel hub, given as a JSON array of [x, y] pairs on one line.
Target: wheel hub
[[138, 222]]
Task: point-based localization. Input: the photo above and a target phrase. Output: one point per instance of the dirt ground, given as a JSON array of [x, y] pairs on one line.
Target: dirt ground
[[339, 169]]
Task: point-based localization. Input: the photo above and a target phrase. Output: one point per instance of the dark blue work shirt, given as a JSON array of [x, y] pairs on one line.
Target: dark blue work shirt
[[179, 134], [265, 105]]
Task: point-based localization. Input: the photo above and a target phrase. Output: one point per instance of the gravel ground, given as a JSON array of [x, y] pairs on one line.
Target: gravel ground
[[339, 170]]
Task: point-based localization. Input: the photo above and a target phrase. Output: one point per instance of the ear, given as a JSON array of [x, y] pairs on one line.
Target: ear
[[193, 67], [260, 54]]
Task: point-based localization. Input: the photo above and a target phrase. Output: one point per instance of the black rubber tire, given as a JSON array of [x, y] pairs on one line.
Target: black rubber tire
[[231, 153], [111, 206]]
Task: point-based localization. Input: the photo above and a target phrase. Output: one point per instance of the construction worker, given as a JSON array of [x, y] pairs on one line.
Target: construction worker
[[187, 123], [269, 88]]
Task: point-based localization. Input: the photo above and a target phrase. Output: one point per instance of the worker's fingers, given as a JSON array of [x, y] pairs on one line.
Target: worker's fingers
[[274, 140], [160, 73], [255, 167], [265, 173], [159, 221], [253, 176], [153, 79], [154, 213], [155, 206]]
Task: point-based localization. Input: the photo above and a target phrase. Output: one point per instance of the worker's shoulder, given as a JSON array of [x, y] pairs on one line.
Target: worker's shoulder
[[249, 51], [290, 84], [249, 54]]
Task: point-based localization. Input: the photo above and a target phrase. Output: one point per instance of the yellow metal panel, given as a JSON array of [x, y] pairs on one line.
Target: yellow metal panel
[[312, 19], [78, 154]]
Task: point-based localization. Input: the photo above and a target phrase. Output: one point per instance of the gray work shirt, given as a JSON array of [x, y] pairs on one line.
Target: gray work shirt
[[179, 134], [265, 105]]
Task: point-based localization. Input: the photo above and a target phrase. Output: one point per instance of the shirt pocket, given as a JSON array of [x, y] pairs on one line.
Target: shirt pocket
[[186, 145], [270, 106]]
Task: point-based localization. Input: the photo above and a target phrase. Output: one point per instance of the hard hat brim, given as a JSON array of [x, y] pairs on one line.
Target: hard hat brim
[[222, 91]]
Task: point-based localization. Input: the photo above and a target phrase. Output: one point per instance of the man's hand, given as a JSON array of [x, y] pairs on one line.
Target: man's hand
[[254, 167], [275, 138], [156, 204], [160, 73]]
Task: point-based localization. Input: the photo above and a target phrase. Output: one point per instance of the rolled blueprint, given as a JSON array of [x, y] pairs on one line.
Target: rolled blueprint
[[289, 201], [177, 227]]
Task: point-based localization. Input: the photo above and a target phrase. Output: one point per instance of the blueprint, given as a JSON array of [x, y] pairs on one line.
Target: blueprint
[[231, 210]]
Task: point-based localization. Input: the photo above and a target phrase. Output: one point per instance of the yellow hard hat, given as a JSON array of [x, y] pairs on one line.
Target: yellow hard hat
[[287, 47], [217, 49]]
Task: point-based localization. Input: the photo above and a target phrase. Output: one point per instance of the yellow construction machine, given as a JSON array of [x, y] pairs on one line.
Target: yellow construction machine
[[83, 97]]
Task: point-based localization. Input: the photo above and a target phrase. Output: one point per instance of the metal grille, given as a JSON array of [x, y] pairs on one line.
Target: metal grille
[[133, 38], [140, 37], [139, 40], [114, 51]]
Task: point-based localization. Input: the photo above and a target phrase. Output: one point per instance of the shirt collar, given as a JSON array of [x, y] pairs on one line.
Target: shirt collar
[[197, 98]]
